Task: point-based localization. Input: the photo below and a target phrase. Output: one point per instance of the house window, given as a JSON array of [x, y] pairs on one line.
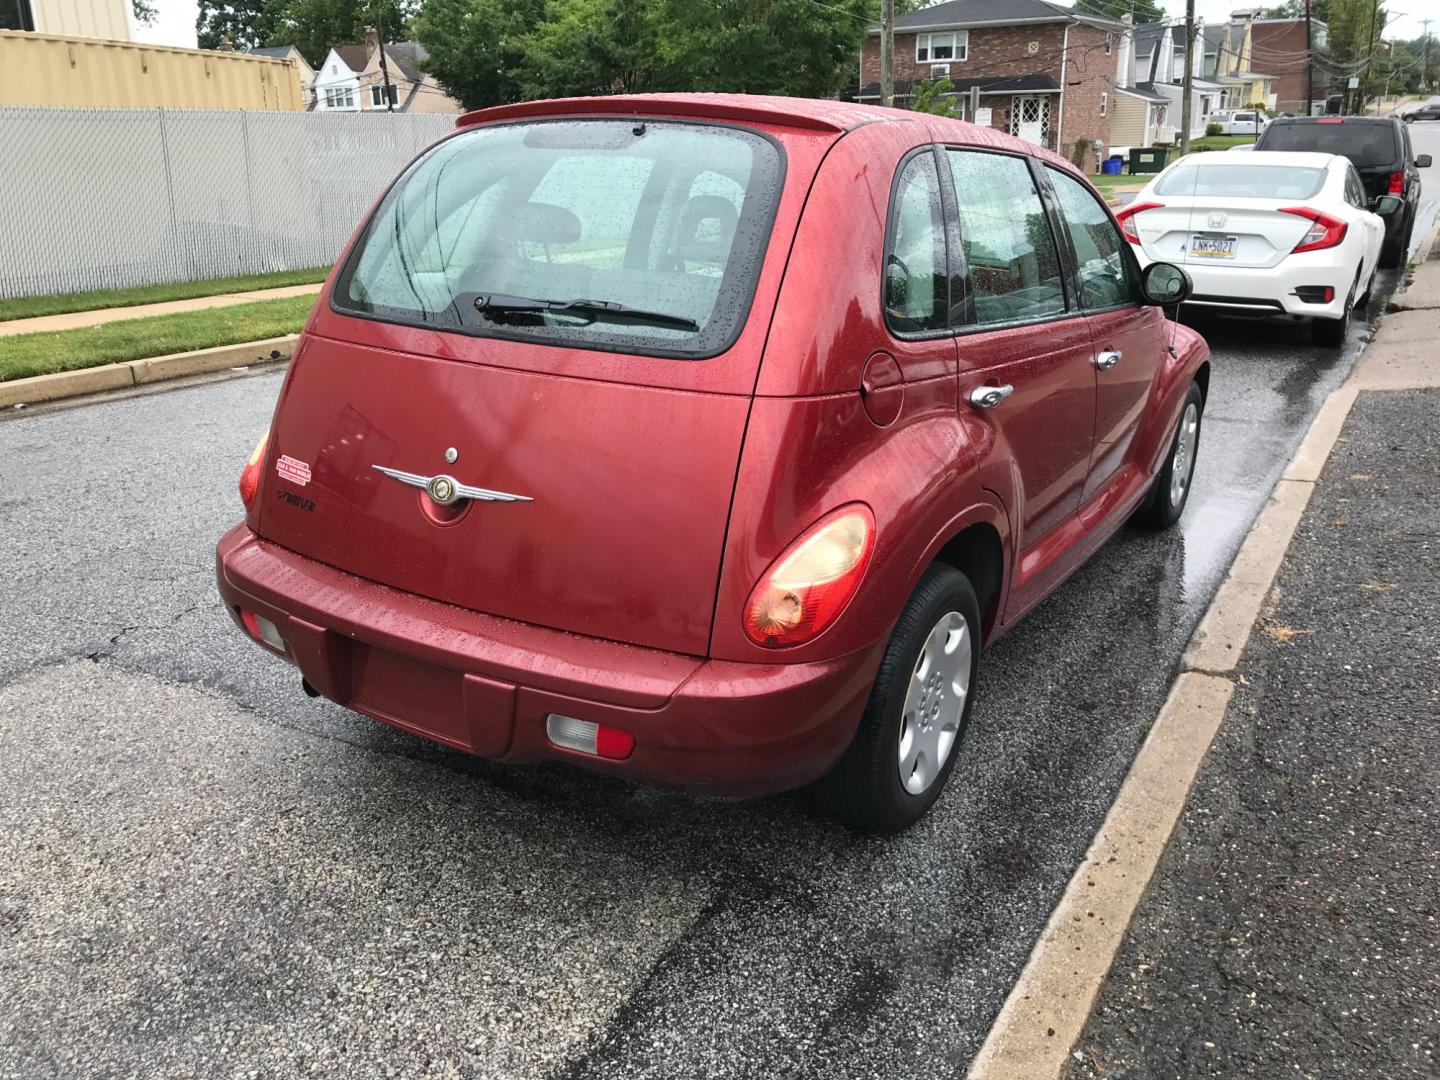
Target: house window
[[1109, 46], [377, 95], [337, 97], [954, 45], [1104, 102], [334, 69]]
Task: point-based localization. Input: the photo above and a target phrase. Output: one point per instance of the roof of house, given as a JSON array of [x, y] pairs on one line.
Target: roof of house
[[1146, 35], [1146, 90], [279, 52], [962, 13], [355, 57], [994, 84], [408, 56]]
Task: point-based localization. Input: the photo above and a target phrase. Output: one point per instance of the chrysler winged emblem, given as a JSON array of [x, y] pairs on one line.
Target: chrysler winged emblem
[[446, 489], [1217, 220]]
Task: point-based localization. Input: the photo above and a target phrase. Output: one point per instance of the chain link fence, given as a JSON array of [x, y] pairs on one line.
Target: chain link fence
[[110, 198]]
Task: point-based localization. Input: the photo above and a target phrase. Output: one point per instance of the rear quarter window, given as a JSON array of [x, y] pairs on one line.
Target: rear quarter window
[[633, 218]]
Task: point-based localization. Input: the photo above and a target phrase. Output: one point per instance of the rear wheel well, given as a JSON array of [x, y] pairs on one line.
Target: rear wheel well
[[977, 553]]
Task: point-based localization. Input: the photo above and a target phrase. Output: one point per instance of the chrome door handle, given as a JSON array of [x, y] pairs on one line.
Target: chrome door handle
[[1108, 359], [987, 397]]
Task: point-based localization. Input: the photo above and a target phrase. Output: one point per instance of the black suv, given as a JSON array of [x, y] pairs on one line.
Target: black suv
[[1424, 112], [1379, 147]]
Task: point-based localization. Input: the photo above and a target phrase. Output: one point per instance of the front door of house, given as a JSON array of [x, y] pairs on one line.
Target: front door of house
[[1030, 118]]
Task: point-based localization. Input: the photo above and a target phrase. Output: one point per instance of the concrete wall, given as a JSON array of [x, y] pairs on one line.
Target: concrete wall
[[46, 69]]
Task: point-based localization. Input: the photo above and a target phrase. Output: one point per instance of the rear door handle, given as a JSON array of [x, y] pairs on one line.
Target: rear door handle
[[1108, 359], [987, 397]]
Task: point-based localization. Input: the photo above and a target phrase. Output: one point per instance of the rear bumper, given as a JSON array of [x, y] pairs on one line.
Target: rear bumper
[[485, 685], [1272, 290]]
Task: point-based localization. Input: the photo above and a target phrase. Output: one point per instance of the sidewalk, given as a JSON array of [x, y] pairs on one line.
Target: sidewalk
[[1292, 927], [76, 319]]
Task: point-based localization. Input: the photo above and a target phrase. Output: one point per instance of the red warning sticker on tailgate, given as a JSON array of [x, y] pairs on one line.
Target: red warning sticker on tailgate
[[297, 472]]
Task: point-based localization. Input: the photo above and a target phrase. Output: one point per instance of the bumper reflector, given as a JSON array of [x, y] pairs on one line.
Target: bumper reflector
[[585, 737], [263, 630]]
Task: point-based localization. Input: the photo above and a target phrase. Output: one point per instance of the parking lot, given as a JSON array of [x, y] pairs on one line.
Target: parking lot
[[209, 874]]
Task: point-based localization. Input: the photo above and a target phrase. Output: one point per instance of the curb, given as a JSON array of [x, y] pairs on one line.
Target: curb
[[1047, 1009], [66, 384]]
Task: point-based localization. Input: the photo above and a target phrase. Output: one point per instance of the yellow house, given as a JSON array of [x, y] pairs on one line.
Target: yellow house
[[106, 19], [80, 72], [1243, 87]]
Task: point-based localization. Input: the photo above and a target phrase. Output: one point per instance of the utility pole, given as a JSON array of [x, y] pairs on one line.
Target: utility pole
[[1425, 54], [1369, 62], [887, 53], [1187, 83], [1309, 62], [384, 67]]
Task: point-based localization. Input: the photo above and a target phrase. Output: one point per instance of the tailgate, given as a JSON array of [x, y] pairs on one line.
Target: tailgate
[[629, 489]]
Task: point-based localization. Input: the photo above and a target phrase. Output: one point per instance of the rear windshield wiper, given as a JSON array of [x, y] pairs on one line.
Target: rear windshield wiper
[[497, 304]]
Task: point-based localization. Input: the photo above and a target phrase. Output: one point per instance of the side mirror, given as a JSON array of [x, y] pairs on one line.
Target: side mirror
[[1423, 161], [1163, 284], [1385, 205]]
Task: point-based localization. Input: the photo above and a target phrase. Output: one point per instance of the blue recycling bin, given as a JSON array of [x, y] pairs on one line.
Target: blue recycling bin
[[1112, 166]]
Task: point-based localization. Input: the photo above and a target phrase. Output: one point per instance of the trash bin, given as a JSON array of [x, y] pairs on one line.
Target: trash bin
[[1149, 159], [1113, 165]]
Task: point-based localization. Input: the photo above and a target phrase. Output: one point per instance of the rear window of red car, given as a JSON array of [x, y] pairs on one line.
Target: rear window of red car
[[618, 235]]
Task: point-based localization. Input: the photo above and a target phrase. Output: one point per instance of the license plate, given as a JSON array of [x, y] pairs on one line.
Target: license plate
[[1212, 247]]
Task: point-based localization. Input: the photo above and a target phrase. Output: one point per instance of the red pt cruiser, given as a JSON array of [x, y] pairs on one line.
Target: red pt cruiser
[[705, 440]]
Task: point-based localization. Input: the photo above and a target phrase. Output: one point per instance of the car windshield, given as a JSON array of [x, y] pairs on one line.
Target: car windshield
[[620, 235], [1243, 181], [1364, 144]]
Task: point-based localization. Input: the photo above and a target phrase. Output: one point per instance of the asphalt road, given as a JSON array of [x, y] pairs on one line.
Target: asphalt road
[[205, 873]]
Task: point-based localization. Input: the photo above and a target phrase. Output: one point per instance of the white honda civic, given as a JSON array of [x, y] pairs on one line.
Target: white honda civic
[[1269, 232]]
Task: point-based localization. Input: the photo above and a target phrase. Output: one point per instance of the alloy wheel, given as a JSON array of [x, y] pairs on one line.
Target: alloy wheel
[[935, 702]]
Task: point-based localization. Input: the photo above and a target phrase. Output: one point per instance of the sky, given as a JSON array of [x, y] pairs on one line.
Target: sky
[[176, 22]]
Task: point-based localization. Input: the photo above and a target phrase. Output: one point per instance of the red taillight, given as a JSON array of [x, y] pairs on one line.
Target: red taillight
[[808, 586], [1124, 216], [262, 630], [250, 475], [1397, 184], [1325, 232], [1331, 120], [588, 737]]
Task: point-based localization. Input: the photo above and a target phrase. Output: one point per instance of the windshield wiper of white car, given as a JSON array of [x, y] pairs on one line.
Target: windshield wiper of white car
[[498, 305]]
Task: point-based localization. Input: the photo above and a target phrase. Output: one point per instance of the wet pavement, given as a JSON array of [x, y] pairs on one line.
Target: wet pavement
[[248, 882]]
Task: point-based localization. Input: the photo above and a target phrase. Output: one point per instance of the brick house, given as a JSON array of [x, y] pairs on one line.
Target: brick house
[[1045, 73], [1281, 42]]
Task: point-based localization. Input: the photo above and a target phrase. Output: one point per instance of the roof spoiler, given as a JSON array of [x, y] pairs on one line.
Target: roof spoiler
[[707, 106]]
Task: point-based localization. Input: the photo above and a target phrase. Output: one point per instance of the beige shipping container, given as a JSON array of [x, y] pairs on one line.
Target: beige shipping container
[[47, 69]]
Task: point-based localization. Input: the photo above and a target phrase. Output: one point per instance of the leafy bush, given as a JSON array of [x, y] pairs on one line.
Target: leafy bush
[[1214, 129]]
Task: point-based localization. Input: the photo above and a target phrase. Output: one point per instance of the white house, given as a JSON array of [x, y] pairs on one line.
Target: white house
[[337, 82], [1148, 95]]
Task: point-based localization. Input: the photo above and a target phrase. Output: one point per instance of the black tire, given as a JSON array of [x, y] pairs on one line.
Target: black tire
[[1394, 250], [864, 789], [1160, 510]]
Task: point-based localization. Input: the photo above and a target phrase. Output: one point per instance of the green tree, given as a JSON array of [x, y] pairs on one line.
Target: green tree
[[144, 11], [929, 97], [1145, 11], [790, 47], [236, 19], [477, 46], [315, 26], [585, 47]]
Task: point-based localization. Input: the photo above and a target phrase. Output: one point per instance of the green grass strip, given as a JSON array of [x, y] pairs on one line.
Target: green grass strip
[[24, 355], [29, 307]]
